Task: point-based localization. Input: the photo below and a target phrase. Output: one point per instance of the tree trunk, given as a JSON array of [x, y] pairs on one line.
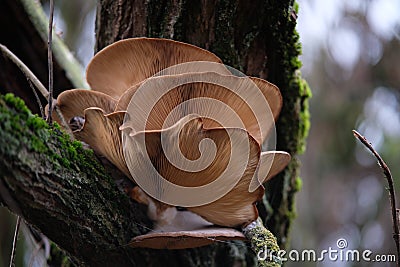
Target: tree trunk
[[65, 191]]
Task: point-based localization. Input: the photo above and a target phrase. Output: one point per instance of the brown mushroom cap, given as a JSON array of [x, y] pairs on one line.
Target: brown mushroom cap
[[72, 103], [271, 163], [236, 206], [248, 103], [127, 62], [186, 239], [101, 132]]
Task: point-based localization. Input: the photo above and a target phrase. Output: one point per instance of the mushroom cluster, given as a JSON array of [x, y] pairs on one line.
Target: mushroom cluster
[[186, 130]]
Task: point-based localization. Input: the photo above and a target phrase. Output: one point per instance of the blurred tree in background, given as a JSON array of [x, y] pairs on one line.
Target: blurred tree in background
[[351, 55]]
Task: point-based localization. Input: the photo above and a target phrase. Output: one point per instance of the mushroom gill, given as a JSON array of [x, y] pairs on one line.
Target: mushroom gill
[[100, 131], [242, 102], [220, 191]]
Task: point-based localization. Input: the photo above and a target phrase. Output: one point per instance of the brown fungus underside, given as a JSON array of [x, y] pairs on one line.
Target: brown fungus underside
[[116, 74]]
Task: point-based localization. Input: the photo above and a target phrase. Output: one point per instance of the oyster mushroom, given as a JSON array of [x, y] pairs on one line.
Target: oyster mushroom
[[161, 101], [186, 239], [236, 113]]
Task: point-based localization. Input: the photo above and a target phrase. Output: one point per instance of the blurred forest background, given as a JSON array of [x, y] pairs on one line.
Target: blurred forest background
[[351, 60]]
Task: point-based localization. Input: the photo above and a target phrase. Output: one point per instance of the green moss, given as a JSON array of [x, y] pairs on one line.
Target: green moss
[[294, 120], [35, 123], [17, 103], [39, 137], [298, 184], [37, 145], [58, 257], [305, 94], [264, 244], [296, 7]]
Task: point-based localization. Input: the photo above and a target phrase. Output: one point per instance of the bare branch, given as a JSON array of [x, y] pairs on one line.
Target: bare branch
[[392, 193], [35, 81], [14, 247], [37, 99], [50, 61]]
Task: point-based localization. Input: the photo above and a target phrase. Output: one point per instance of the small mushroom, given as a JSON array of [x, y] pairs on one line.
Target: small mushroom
[[100, 132], [179, 229], [186, 239], [72, 103]]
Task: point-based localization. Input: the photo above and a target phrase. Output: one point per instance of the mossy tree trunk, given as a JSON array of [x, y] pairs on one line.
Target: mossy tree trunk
[[67, 193]]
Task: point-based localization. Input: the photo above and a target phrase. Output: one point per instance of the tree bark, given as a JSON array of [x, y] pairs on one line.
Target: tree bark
[[66, 192]]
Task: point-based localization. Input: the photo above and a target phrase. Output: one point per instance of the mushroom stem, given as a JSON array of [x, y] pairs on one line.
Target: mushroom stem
[[263, 243]]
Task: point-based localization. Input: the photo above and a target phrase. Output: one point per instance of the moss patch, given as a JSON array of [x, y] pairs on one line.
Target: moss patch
[[41, 138], [58, 257], [264, 244]]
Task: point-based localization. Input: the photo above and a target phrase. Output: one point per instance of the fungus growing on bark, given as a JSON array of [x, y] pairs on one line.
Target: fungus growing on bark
[[186, 239], [197, 128]]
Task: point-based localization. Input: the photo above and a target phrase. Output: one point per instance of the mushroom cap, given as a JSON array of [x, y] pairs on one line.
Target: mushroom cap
[[271, 163], [127, 62], [72, 103], [230, 101], [186, 239], [237, 207], [218, 190], [101, 132]]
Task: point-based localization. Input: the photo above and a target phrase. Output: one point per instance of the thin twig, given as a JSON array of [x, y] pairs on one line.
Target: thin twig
[[37, 99], [50, 61], [14, 247], [389, 178], [31, 77], [25, 70]]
